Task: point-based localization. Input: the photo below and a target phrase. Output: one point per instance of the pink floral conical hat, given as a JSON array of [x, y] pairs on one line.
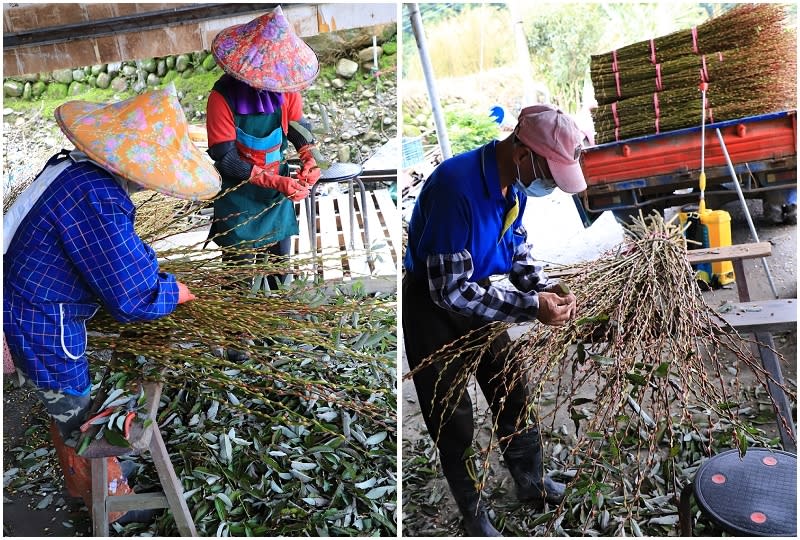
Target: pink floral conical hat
[[266, 54], [144, 139]]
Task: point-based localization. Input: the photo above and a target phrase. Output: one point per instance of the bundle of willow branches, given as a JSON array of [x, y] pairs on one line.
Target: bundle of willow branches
[[644, 338], [747, 57], [742, 26], [682, 107], [779, 54]]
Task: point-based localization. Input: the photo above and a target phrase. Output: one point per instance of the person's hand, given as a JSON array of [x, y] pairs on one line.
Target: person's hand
[[293, 189], [558, 287], [184, 294], [555, 310], [309, 172]]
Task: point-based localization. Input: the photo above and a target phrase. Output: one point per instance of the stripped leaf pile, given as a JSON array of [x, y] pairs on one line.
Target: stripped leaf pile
[[639, 388], [748, 57], [295, 437]]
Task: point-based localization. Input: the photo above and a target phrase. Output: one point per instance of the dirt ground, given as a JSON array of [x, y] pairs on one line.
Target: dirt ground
[[437, 515], [47, 510]]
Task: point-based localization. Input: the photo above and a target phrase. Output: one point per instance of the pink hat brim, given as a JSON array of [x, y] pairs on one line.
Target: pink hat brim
[[568, 177]]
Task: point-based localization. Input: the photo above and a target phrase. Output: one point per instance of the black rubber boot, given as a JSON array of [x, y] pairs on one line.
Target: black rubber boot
[[523, 455], [790, 214], [476, 515], [473, 508]]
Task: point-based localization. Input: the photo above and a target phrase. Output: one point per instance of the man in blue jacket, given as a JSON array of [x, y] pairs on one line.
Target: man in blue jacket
[[465, 227]]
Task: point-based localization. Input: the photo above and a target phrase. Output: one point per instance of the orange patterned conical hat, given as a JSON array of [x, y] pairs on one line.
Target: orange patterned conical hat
[[144, 139]]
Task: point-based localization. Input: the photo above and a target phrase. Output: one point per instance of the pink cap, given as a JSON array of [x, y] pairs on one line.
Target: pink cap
[[556, 137]]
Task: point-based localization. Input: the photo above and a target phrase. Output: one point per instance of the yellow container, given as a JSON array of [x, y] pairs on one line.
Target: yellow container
[[717, 225], [711, 228]]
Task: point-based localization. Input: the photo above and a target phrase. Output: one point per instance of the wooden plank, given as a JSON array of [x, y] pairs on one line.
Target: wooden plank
[[727, 253], [99, 468], [302, 241], [173, 489], [383, 257], [302, 250], [783, 414], [694, 256], [356, 257], [330, 239], [390, 215], [137, 501], [764, 316]]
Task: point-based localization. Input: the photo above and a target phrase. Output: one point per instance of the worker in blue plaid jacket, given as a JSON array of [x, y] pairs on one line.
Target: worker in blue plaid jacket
[[465, 227], [70, 248]]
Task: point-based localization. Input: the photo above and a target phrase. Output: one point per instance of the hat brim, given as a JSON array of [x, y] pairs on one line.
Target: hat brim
[[568, 177], [185, 174]]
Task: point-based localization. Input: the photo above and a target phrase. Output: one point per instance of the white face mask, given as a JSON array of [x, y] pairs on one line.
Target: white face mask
[[539, 187]]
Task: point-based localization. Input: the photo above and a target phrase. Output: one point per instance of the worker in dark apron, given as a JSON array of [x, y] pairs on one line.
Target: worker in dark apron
[[465, 227], [253, 112], [70, 248]]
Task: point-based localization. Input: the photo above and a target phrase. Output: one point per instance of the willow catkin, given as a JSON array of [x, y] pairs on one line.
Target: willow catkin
[[747, 56], [679, 108]]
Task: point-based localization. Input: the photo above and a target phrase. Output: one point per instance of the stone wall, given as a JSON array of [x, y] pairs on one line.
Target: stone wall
[[119, 76]]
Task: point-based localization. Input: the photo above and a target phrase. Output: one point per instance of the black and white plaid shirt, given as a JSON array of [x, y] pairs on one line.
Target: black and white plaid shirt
[[450, 287]]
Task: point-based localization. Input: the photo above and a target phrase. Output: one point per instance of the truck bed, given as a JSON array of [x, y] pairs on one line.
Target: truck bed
[[646, 172], [755, 138]]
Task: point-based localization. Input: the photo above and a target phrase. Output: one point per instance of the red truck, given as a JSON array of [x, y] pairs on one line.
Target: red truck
[[655, 172]]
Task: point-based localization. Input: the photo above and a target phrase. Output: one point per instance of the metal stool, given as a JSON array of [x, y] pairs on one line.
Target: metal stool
[[338, 172], [172, 496], [752, 496]]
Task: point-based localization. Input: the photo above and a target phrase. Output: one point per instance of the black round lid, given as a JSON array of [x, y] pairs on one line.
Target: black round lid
[[751, 496]]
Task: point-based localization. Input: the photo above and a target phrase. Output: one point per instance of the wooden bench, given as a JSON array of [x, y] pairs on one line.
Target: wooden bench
[[172, 495], [761, 319], [778, 315]]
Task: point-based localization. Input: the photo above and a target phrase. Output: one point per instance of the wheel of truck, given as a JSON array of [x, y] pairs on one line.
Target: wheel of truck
[[626, 216]]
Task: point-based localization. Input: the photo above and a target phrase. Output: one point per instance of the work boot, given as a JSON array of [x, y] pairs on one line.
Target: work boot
[[523, 455], [773, 213], [790, 214], [475, 512], [473, 508]]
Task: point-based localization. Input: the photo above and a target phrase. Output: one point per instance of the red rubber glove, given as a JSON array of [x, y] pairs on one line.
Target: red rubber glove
[[309, 172], [293, 189], [184, 294]]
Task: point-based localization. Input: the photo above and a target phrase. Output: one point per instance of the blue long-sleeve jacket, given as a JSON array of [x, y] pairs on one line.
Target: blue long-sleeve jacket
[[75, 251]]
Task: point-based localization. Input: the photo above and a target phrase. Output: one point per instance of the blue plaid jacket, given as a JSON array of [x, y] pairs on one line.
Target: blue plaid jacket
[[75, 251]]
